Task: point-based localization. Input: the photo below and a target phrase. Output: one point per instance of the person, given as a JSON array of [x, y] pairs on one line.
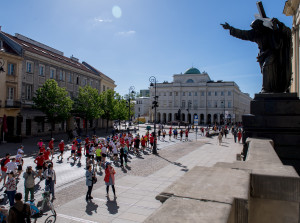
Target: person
[[12, 166], [73, 149], [47, 154], [61, 147], [98, 157], [239, 135], [20, 212], [181, 134], [136, 145], [159, 133], [29, 177], [187, 135], [234, 135], [11, 188], [123, 155], [39, 160], [151, 142], [50, 180], [170, 134], [4, 161], [109, 178], [40, 144], [143, 143], [51, 146], [89, 182], [164, 135], [20, 161], [220, 138], [79, 153]]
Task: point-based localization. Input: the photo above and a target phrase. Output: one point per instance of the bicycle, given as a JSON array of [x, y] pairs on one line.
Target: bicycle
[[38, 213]]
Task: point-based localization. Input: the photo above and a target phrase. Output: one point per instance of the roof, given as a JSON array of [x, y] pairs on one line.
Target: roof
[[96, 71], [48, 54], [192, 70]]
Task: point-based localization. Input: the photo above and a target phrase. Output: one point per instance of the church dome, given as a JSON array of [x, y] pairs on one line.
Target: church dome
[[192, 70]]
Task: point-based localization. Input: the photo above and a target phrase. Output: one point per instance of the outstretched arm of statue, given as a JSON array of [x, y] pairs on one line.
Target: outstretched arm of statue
[[241, 34], [226, 26]]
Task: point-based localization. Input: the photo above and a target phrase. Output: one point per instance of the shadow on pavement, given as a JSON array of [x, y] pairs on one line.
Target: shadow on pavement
[[184, 168], [91, 207], [112, 206]]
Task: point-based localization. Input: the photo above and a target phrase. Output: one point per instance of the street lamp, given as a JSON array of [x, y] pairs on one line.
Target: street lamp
[[131, 91], [188, 110], [152, 80]]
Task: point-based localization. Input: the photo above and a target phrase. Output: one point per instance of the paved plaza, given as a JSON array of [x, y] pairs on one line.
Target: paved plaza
[[137, 185]]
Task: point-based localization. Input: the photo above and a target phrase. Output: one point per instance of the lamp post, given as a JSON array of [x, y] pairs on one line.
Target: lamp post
[[131, 91], [152, 80], [188, 110]]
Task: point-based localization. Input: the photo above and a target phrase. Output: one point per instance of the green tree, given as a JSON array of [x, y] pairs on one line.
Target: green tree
[[54, 102], [120, 109], [87, 105]]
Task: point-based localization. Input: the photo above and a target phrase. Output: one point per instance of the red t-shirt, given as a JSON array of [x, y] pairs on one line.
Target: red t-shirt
[[46, 154], [42, 150], [151, 139], [40, 160], [51, 144], [143, 142], [3, 168], [87, 140], [61, 146]]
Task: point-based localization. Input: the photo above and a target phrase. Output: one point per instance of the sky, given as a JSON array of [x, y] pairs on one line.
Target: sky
[[131, 40]]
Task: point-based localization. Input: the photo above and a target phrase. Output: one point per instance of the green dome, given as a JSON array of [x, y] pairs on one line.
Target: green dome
[[192, 71]]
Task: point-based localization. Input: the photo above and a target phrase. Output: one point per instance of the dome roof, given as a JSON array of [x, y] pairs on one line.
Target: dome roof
[[192, 70]]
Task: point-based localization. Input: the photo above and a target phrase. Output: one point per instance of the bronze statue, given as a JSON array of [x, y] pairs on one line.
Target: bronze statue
[[274, 42]]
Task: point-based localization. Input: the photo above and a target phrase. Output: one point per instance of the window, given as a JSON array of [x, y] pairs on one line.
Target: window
[[10, 93], [222, 93], [170, 104], [222, 104], [52, 73], [183, 93], [70, 78], [209, 93], [1, 44], [91, 83], [229, 93], [195, 102], [28, 93], [77, 80], [176, 93], [61, 75], [84, 82], [189, 81], [196, 94], [216, 93], [165, 93], [209, 104], [11, 69], [229, 104], [170, 94], [202, 93], [29, 66], [139, 110], [183, 104], [190, 93], [41, 70], [104, 89], [215, 104]]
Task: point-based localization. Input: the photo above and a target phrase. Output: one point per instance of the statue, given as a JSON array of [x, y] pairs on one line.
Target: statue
[[274, 42]]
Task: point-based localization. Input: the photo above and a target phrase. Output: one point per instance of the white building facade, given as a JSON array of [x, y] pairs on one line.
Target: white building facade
[[194, 93], [141, 107]]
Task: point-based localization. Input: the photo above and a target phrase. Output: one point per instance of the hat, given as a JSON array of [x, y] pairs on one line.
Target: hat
[[48, 148], [62, 140], [52, 139], [108, 163]]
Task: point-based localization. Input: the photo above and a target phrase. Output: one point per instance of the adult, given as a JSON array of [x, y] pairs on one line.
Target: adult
[[123, 155], [89, 182], [20, 212], [220, 138], [40, 144], [29, 177], [109, 178], [39, 161], [234, 135], [51, 146], [12, 166], [61, 147], [239, 135], [4, 161], [50, 180], [11, 188]]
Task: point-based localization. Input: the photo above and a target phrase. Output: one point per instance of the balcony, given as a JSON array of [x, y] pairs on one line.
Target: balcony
[[12, 104]]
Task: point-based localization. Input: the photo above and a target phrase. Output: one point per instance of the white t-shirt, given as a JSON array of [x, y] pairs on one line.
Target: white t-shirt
[[104, 149], [20, 151], [18, 159], [11, 166]]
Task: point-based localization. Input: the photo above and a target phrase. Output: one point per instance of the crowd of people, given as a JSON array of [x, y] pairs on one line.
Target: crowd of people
[[96, 150]]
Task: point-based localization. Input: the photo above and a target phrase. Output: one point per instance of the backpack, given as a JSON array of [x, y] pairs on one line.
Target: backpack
[[22, 216], [3, 162]]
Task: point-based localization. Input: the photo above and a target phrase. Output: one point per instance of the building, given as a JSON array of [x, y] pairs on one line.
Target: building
[[194, 93], [291, 8], [28, 64], [142, 107], [145, 93]]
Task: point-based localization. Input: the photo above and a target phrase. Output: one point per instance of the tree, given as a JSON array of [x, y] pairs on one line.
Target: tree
[[53, 101], [108, 104], [87, 105], [120, 109]]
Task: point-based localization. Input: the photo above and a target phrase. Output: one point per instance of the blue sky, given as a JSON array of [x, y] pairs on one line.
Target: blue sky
[[131, 40]]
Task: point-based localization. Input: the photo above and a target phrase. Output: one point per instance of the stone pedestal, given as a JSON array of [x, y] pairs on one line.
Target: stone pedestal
[[277, 117]]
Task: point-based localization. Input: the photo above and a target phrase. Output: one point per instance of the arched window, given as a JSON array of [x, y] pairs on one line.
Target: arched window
[[189, 81]]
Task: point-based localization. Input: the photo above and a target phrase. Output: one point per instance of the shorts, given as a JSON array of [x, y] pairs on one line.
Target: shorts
[[115, 154], [19, 167], [87, 155], [39, 167], [103, 155], [72, 151], [98, 158], [151, 143], [79, 154], [61, 151], [3, 174], [91, 156]]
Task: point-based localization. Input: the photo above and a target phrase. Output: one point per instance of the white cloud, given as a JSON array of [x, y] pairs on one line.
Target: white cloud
[[126, 33], [102, 20]]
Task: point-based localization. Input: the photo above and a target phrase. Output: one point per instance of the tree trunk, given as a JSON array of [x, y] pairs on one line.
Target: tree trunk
[[107, 125], [86, 127]]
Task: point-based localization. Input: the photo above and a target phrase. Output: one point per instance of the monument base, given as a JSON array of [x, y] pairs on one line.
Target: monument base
[[276, 116]]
